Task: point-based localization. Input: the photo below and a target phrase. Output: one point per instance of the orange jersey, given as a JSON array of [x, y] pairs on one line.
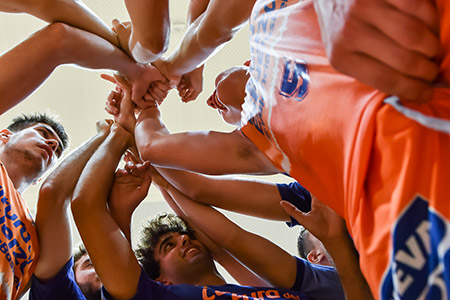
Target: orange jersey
[[376, 163], [18, 240]]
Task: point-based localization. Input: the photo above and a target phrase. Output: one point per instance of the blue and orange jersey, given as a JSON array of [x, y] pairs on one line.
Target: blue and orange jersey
[[18, 240], [377, 162]]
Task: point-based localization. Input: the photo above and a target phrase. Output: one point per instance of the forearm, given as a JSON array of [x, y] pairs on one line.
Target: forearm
[[101, 235], [150, 28], [346, 261], [52, 219], [207, 33]]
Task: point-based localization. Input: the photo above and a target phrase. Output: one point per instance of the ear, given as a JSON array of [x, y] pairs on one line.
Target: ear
[[314, 256], [5, 134]]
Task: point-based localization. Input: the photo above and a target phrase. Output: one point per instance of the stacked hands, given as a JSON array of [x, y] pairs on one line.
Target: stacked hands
[[153, 81]]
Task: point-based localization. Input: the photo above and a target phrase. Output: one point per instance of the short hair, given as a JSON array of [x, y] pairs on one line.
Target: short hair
[[79, 251], [151, 233], [302, 244], [24, 121]]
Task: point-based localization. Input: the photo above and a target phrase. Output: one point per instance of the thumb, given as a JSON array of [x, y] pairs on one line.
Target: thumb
[[294, 212]]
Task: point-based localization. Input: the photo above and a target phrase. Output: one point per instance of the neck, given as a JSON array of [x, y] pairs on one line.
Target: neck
[[212, 279], [16, 173]]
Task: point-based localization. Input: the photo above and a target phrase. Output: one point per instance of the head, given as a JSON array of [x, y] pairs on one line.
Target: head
[[312, 249], [169, 252], [229, 94], [35, 141], [85, 274]]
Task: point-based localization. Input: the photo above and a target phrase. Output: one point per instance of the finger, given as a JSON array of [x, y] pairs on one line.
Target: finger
[[108, 78], [122, 82], [111, 110], [405, 29], [132, 157], [161, 93], [373, 73], [424, 10], [163, 86], [404, 60]]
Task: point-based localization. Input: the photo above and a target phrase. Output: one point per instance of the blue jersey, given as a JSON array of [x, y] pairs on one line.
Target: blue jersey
[[297, 195], [313, 282], [62, 287]]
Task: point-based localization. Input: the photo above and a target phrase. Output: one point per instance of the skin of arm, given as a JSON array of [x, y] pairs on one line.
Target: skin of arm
[[108, 248], [59, 44], [205, 152], [245, 196], [389, 45], [72, 12], [52, 217], [237, 270], [130, 187], [149, 37], [219, 23], [273, 264], [331, 230]]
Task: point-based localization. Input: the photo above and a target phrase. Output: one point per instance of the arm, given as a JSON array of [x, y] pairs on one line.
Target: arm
[[129, 189], [219, 23], [59, 44], [251, 197], [330, 229], [72, 12], [150, 29], [52, 219], [264, 258], [108, 248], [206, 152], [389, 45], [237, 270]]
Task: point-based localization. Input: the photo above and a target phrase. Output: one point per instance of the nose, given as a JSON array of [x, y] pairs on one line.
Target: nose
[[210, 100], [52, 143], [184, 239]]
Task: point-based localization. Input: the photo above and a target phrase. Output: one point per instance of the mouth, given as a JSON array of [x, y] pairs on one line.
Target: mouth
[[190, 250]]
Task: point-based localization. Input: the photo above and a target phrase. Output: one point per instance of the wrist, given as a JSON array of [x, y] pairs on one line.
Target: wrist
[[118, 131]]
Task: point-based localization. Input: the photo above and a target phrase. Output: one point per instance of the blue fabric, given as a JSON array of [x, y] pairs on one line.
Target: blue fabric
[[297, 195], [313, 282], [62, 287]]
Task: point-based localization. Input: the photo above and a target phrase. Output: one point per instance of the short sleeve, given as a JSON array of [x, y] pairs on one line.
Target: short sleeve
[[297, 195]]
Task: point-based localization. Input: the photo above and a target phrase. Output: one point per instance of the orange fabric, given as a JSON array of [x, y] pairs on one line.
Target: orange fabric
[[18, 240], [374, 166]]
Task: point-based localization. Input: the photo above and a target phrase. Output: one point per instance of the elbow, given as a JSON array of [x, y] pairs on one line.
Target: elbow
[[148, 49], [60, 40]]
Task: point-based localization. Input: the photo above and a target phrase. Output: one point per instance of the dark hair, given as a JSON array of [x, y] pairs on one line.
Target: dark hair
[[78, 253], [302, 246], [24, 121], [151, 233]]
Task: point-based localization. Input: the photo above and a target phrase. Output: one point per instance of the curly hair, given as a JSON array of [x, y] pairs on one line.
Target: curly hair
[[151, 233], [24, 121]]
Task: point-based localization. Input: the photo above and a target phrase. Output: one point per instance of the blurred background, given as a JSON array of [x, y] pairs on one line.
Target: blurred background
[[78, 96]]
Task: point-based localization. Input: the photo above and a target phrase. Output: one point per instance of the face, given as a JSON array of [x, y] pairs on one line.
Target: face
[[86, 277], [229, 94], [181, 258], [37, 146]]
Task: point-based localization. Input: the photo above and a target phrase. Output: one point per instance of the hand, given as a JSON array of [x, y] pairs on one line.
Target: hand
[[163, 66], [191, 85], [157, 92], [387, 44], [104, 126], [321, 221], [120, 106], [123, 31], [130, 186]]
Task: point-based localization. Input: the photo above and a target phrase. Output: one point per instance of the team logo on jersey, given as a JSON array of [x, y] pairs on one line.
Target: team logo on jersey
[[295, 79], [420, 259]]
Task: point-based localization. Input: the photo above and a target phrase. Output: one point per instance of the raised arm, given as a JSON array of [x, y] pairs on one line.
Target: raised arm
[[59, 44], [108, 248], [206, 152], [236, 269], [217, 25], [330, 229], [52, 218], [246, 196], [72, 12]]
